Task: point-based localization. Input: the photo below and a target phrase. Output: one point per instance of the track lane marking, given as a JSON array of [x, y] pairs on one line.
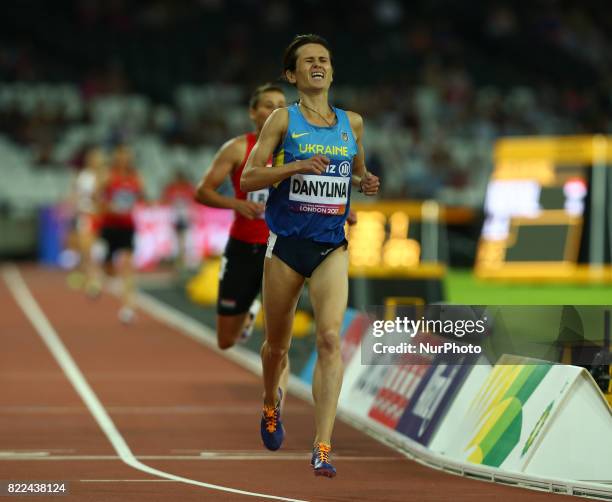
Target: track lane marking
[[140, 410], [128, 481], [21, 293], [205, 456]]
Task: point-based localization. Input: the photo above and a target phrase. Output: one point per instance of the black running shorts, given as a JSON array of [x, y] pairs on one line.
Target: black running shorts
[[302, 255], [117, 239], [240, 276]]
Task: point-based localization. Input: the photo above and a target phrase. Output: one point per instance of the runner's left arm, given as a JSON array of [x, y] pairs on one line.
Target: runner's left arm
[[367, 182]]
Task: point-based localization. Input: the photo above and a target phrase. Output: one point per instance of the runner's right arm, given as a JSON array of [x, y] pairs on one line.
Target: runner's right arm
[[227, 159], [256, 175]]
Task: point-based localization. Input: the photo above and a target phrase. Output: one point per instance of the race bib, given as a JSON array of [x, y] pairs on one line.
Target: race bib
[[325, 195], [123, 201], [259, 197]]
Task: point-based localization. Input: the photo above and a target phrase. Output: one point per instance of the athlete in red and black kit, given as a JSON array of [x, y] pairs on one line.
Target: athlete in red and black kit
[[118, 196], [179, 194], [242, 263]]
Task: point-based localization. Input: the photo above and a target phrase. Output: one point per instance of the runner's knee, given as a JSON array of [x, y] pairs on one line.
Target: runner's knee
[[276, 350], [328, 343]]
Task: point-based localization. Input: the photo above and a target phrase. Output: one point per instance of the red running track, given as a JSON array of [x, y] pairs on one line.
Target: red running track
[[182, 409]]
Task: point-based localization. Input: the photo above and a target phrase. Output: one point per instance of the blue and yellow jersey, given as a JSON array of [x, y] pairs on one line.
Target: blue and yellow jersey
[[311, 206]]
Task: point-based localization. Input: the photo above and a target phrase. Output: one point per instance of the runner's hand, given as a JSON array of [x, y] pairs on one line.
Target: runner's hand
[[370, 184], [352, 217], [314, 165], [248, 209]]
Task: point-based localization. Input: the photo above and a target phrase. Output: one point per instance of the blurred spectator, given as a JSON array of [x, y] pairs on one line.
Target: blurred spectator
[[179, 195]]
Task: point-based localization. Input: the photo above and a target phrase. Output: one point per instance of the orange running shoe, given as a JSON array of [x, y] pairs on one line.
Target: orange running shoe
[[272, 430], [320, 461]]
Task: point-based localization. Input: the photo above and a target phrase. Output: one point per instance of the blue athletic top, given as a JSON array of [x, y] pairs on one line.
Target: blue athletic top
[[313, 206]]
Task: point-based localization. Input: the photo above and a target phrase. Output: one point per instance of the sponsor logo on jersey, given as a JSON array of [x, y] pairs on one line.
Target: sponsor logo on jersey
[[296, 135]]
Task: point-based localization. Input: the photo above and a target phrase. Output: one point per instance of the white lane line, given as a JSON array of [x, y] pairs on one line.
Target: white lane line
[[26, 301], [62, 458], [205, 456], [250, 409], [23, 454], [128, 481]]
